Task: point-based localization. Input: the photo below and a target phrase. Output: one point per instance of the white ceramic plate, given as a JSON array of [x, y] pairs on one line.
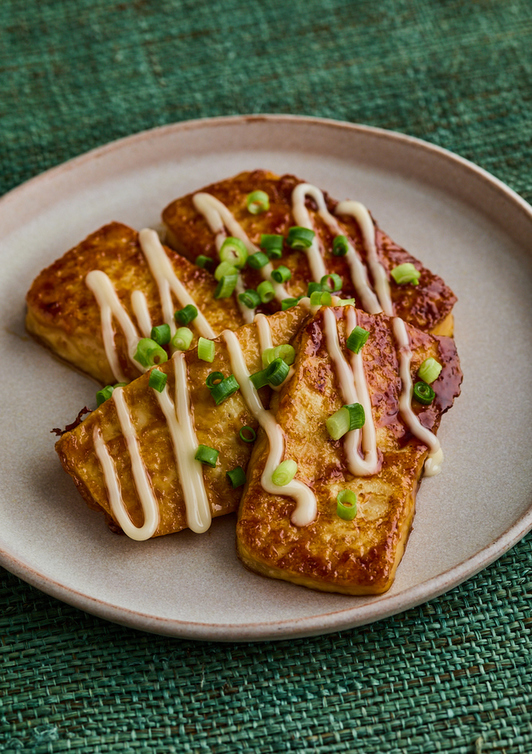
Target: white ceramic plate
[[460, 221]]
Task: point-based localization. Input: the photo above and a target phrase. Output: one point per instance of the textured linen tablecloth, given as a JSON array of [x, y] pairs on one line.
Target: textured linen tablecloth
[[450, 676]]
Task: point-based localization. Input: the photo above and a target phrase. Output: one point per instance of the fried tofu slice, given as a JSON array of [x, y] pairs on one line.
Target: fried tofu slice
[[427, 306], [215, 426], [65, 316], [332, 554]]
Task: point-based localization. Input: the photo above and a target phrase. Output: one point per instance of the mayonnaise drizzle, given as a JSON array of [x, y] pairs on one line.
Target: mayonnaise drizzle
[[142, 313], [220, 220], [150, 506], [265, 340], [181, 427], [168, 283], [110, 306], [354, 389], [306, 505], [359, 273]]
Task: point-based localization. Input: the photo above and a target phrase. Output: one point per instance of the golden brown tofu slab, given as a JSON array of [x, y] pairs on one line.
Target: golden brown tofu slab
[[427, 305], [165, 458], [358, 556], [64, 314]]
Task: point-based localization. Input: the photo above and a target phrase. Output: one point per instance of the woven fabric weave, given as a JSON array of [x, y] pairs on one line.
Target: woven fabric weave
[[451, 676]]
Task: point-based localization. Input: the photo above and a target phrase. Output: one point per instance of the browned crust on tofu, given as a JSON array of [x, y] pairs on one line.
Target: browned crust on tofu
[[64, 315], [216, 426], [425, 306], [330, 554]]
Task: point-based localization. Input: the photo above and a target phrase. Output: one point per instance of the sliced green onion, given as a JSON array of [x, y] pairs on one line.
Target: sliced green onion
[[346, 505], [357, 415], [338, 424], [186, 315], [207, 455], [226, 286], [313, 287], [234, 251], [206, 350], [247, 434], [249, 298], [320, 298], [274, 253], [423, 393], [340, 246], [157, 380], [103, 394], [300, 238], [237, 477], [331, 283], [429, 370], [357, 339], [257, 202], [182, 338], [257, 260], [277, 372], [288, 303], [281, 274], [225, 268], [213, 379], [259, 379], [149, 353], [265, 291], [284, 473], [347, 302], [161, 334], [285, 352], [405, 273], [204, 262], [270, 242], [224, 389]]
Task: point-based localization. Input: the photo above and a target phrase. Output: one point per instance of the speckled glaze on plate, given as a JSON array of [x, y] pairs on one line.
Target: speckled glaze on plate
[[461, 222]]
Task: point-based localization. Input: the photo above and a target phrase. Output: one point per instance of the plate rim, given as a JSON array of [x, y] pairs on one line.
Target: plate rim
[[317, 624]]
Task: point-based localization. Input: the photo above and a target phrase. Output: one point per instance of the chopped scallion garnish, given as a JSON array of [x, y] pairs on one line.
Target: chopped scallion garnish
[[423, 393], [257, 202], [236, 477], [161, 334], [338, 424], [265, 291], [186, 315], [277, 372], [346, 505], [313, 287], [204, 262], [405, 273], [331, 283], [182, 338], [226, 286], [288, 303], [249, 298], [225, 268], [149, 353], [285, 351], [300, 238], [429, 370], [234, 251], [270, 242], [347, 302], [224, 389], [357, 339], [104, 394], [281, 274], [320, 298], [206, 350], [213, 379], [247, 434], [157, 380], [259, 379], [340, 246], [207, 455], [284, 473], [357, 415], [257, 260]]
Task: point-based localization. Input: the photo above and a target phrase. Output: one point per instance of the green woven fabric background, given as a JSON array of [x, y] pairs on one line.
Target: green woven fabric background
[[451, 676]]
